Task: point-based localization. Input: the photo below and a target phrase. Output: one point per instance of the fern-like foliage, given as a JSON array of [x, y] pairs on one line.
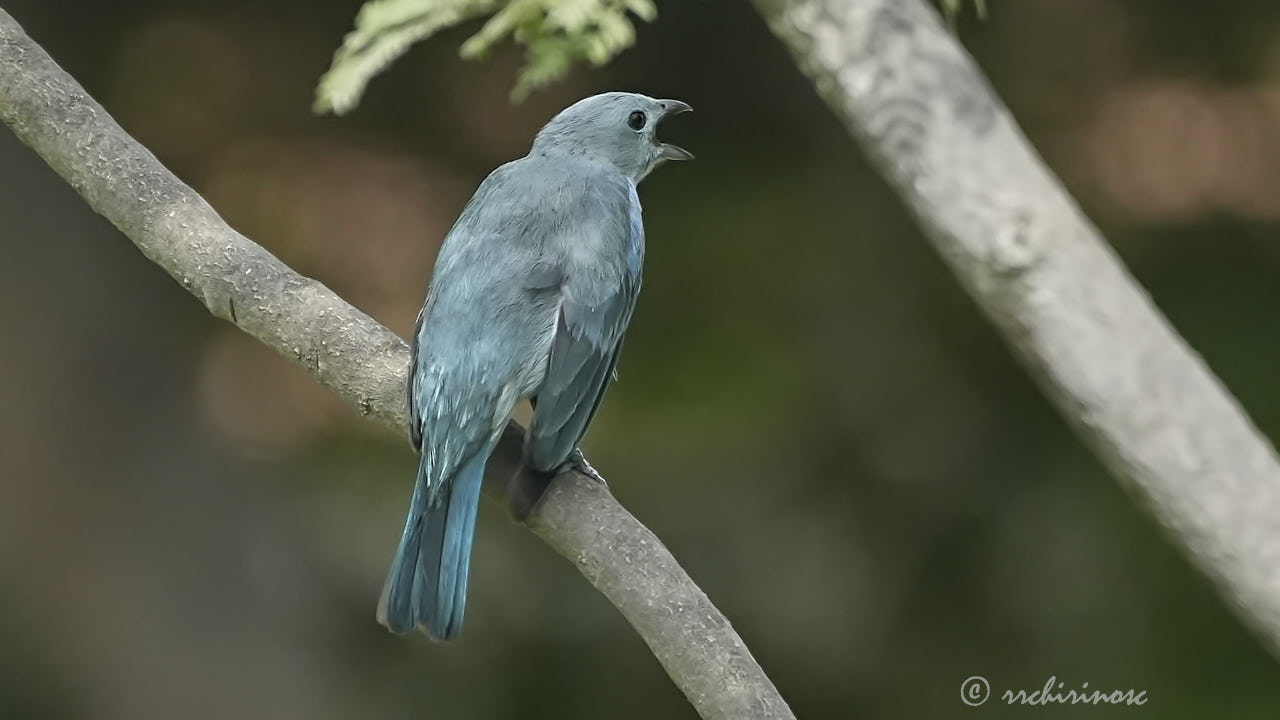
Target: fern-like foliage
[[556, 33]]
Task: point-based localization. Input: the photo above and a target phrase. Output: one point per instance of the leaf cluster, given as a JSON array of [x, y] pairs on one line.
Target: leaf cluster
[[555, 33]]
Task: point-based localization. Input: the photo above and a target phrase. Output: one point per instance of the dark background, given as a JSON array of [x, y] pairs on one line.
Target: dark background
[[811, 413]]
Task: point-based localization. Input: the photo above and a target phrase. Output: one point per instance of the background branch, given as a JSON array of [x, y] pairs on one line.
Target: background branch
[[1092, 338], [365, 364]]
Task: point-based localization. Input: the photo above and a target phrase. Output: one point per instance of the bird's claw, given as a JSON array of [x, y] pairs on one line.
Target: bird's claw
[[579, 462]]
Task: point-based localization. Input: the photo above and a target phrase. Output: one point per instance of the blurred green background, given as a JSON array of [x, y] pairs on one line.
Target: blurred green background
[[811, 413]]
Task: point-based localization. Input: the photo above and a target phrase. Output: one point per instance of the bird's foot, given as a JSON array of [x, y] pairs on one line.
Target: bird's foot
[[527, 486], [578, 462]]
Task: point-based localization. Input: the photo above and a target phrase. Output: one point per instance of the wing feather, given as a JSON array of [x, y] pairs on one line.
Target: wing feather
[[589, 332]]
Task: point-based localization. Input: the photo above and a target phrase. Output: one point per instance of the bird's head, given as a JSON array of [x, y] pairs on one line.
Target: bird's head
[[618, 128]]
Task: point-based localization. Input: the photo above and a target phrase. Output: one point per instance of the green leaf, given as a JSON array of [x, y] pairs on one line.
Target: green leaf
[[643, 9], [572, 16], [504, 23], [384, 30], [556, 33], [952, 8]]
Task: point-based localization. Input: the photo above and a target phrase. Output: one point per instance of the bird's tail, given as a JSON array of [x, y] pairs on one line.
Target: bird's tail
[[427, 584]]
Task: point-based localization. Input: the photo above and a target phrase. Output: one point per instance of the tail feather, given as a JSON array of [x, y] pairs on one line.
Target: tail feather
[[427, 584], [402, 590]]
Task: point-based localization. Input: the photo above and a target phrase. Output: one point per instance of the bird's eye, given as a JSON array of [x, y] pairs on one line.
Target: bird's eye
[[636, 120]]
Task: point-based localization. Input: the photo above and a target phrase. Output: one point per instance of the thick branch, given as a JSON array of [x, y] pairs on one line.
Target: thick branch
[[1098, 346], [365, 364]]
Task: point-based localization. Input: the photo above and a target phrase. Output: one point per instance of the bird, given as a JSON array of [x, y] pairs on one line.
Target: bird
[[533, 289]]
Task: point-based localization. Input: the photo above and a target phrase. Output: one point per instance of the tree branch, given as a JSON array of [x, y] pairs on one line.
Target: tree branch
[[365, 364], [1091, 336]]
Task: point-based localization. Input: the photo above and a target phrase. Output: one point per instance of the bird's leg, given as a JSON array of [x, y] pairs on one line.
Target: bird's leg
[[528, 485]]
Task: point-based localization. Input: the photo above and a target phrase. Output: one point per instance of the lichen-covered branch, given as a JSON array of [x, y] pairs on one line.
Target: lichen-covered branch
[[365, 364], [1091, 336]]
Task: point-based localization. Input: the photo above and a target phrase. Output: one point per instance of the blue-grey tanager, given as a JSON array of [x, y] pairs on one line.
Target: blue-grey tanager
[[531, 296]]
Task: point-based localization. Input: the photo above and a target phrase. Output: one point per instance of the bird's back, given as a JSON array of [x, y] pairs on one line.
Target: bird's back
[[491, 310]]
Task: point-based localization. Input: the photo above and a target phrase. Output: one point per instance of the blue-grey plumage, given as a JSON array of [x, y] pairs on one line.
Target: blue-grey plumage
[[532, 292]]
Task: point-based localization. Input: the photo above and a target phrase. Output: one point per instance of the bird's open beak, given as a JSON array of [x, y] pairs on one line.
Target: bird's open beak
[[673, 107], [669, 151]]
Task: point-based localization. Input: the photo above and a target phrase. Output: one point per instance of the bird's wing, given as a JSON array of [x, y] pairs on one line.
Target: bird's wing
[[467, 341], [596, 306], [455, 408], [411, 388]]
